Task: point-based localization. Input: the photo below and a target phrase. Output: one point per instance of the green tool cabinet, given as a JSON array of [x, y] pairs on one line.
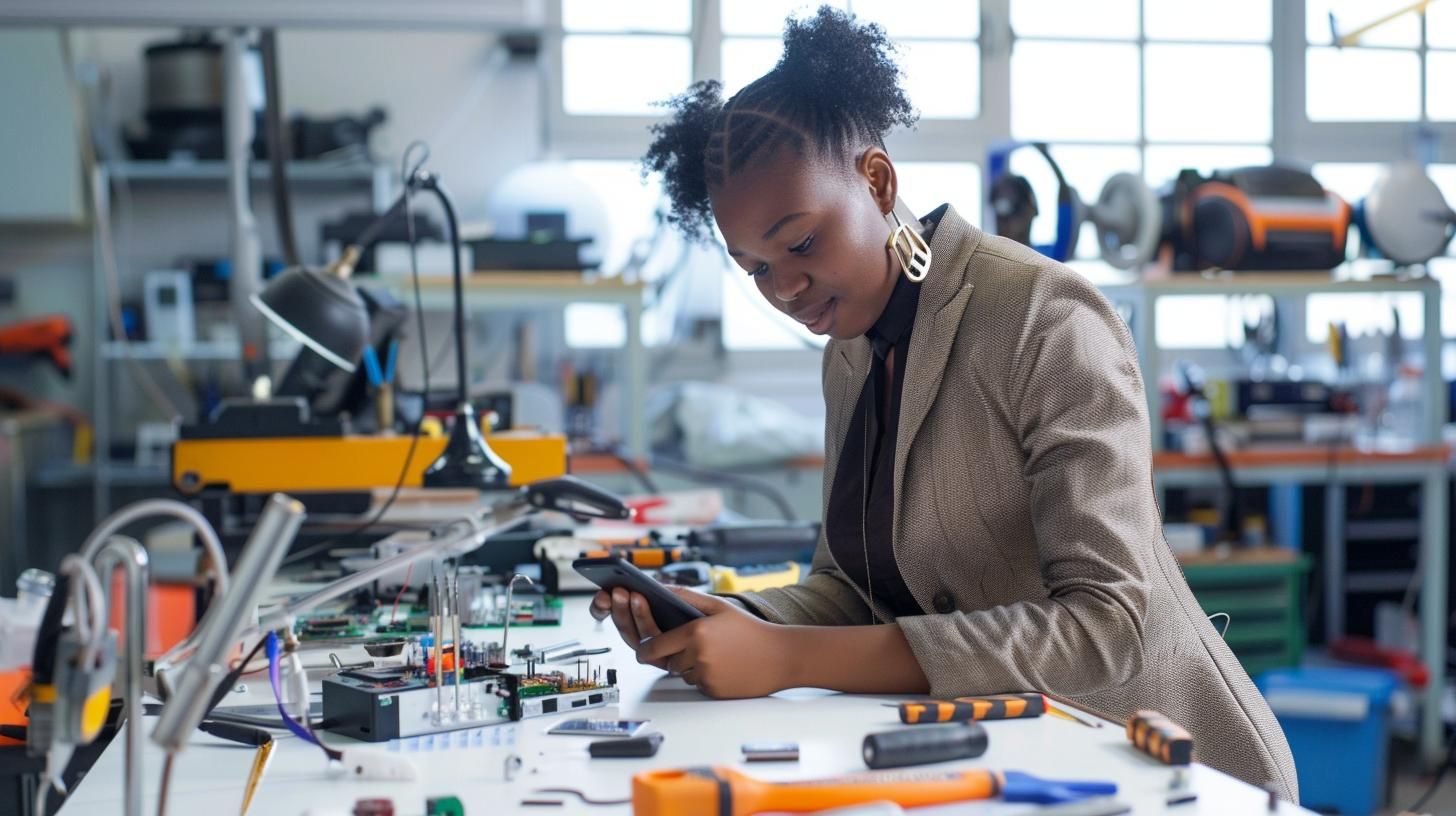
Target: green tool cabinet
[[1265, 602]]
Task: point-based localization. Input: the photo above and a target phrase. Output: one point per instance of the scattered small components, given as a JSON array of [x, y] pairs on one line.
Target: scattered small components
[[771, 752], [444, 806], [374, 807], [1160, 738]]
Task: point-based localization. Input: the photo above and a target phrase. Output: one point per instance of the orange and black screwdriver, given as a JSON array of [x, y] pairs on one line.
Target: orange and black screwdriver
[[1161, 738], [647, 557], [967, 709]]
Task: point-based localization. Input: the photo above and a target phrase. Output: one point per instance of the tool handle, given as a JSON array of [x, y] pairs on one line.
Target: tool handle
[[721, 791], [232, 732], [920, 746], [575, 498], [1160, 738], [966, 709]]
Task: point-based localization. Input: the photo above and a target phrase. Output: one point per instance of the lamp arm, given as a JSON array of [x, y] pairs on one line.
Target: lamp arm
[[429, 181], [422, 180]]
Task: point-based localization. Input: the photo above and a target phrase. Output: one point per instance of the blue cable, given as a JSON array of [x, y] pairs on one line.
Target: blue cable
[[371, 367], [270, 646]]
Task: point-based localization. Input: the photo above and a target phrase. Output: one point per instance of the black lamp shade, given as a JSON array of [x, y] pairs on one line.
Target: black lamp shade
[[320, 310]]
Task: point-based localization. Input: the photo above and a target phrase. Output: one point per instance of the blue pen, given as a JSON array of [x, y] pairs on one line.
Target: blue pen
[[371, 367], [389, 363]]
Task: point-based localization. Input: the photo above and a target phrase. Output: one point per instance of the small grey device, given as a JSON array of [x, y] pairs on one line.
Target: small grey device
[[598, 728]]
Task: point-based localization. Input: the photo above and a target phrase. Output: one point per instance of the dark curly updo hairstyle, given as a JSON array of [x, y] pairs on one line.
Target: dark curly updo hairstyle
[[836, 87]]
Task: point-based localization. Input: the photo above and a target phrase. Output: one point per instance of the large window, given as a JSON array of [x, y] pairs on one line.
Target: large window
[[619, 58], [937, 41], [1403, 71], [1142, 86], [1150, 86]]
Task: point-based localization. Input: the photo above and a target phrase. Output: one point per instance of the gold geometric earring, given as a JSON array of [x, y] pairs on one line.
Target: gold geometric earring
[[908, 247]]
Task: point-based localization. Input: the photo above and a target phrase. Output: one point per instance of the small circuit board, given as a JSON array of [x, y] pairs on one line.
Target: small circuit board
[[378, 705], [333, 627]]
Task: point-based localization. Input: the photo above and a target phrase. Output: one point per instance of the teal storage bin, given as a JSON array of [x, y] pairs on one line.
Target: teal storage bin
[[1337, 721]]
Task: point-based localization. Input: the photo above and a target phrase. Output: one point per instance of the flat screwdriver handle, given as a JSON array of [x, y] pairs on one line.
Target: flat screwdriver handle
[[968, 709], [1160, 738]]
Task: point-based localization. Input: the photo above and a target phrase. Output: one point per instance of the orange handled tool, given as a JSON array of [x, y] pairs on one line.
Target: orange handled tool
[[648, 557], [966, 709], [726, 792], [1160, 738]]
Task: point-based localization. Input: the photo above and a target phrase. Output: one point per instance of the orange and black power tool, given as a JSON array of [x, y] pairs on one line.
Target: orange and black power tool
[[1254, 218], [49, 337]]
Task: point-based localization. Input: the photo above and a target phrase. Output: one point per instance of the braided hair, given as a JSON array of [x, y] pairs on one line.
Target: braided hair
[[835, 88]]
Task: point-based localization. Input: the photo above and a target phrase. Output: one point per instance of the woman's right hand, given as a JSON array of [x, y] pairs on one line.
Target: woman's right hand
[[632, 617]]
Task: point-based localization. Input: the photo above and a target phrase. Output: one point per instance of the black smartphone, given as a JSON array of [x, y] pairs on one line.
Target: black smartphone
[[668, 610]]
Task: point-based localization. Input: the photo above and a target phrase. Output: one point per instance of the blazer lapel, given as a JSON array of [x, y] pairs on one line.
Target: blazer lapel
[[937, 321], [848, 371]]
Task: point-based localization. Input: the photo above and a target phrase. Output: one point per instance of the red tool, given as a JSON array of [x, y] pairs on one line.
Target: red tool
[[48, 337], [1368, 652]]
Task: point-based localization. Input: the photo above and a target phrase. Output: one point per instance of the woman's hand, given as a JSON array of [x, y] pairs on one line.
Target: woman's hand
[[729, 653], [631, 615]]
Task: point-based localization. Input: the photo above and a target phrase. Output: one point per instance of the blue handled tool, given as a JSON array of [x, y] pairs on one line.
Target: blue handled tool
[[390, 360], [371, 367], [1023, 787]]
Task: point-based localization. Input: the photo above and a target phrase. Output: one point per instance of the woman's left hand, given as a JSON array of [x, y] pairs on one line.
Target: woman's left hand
[[729, 653]]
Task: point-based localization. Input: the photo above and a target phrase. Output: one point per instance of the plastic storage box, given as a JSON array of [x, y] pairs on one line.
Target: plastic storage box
[[1338, 726]]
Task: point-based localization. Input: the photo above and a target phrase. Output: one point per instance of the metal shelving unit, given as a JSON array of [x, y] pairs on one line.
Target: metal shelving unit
[[1425, 465], [375, 180]]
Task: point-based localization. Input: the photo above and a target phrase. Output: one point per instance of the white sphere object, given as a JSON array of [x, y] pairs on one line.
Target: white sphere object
[[551, 186], [1405, 215]]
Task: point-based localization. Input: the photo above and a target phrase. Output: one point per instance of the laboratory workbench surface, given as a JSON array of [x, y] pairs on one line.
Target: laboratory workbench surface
[[209, 776]]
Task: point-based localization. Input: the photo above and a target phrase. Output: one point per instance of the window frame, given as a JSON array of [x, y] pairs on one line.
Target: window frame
[[1293, 136], [1383, 142]]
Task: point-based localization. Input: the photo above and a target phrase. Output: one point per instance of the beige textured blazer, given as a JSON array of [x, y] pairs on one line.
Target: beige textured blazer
[[1025, 520]]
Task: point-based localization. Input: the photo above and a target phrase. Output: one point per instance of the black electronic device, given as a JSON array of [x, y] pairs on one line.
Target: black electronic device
[[668, 610], [368, 706], [554, 254], [629, 748], [922, 745]]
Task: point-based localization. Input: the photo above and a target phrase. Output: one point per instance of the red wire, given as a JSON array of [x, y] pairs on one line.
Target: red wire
[[407, 575]]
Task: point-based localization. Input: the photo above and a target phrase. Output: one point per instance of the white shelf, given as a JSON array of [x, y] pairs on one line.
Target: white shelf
[[1285, 283], [217, 171], [208, 350]]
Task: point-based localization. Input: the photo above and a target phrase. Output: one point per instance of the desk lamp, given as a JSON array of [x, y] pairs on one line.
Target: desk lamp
[[322, 310]]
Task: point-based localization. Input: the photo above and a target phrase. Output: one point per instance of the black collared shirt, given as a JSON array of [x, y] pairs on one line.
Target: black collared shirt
[[859, 522]]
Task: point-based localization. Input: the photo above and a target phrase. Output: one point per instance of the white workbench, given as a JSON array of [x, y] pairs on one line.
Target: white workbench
[[209, 776]]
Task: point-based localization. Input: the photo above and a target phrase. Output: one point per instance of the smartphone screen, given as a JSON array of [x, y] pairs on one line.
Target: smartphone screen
[[586, 727]]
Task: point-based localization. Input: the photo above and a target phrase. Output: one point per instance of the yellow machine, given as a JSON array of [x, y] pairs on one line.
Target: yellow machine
[[342, 464]]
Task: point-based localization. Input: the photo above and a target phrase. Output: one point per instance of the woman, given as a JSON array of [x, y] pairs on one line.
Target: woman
[[990, 522]]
